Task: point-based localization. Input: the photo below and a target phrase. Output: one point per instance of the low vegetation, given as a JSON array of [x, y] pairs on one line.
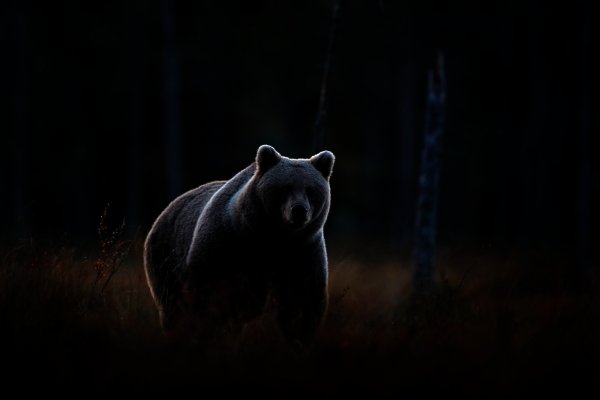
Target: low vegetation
[[492, 325]]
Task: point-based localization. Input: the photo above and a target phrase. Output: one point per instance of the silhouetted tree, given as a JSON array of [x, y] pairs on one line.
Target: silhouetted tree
[[406, 149], [319, 134], [585, 175], [135, 135], [532, 160], [426, 221], [21, 131], [171, 99]]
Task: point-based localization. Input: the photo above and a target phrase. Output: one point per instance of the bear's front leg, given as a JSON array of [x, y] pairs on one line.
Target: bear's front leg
[[302, 298]]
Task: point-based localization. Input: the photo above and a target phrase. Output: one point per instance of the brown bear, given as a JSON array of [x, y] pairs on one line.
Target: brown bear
[[217, 253]]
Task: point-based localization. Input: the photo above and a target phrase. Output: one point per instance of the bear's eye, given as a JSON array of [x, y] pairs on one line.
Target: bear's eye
[[313, 195], [282, 193]]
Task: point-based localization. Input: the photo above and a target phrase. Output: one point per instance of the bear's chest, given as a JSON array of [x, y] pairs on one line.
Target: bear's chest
[[257, 256]]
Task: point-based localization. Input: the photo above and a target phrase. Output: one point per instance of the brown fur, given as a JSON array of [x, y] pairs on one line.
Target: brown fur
[[217, 252]]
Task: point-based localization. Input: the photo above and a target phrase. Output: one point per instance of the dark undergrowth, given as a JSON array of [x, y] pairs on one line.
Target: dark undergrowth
[[492, 327]]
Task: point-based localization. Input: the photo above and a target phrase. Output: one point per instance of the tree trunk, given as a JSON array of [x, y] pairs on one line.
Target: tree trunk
[[319, 134], [20, 183], [585, 176], [172, 112], [136, 119], [406, 161], [533, 142], [426, 221]]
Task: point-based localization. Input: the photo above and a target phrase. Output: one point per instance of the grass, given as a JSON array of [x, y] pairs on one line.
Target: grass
[[492, 326]]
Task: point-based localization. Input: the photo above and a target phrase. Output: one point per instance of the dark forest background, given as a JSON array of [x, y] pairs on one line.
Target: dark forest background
[[132, 103]]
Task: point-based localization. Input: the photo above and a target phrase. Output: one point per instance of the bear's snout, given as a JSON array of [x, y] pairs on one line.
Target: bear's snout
[[299, 214]]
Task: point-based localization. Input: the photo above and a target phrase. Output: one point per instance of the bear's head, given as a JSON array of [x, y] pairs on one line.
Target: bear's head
[[294, 193]]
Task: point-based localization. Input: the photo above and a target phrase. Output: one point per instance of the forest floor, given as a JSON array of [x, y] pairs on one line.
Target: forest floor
[[493, 326]]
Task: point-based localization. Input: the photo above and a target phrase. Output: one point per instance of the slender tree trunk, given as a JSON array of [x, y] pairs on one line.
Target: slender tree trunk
[[172, 112], [21, 187], [426, 221], [136, 119], [532, 145], [585, 175], [506, 171], [406, 160], [319, 133]]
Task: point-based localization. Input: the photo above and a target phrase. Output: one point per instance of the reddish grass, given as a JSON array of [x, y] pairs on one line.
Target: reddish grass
[[492, 326]]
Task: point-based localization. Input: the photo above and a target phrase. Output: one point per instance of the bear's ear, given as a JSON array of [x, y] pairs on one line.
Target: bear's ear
[[266, 157], [323, 162]]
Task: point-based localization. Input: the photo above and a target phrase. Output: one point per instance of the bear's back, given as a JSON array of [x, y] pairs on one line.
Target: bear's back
[[174, 228]]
